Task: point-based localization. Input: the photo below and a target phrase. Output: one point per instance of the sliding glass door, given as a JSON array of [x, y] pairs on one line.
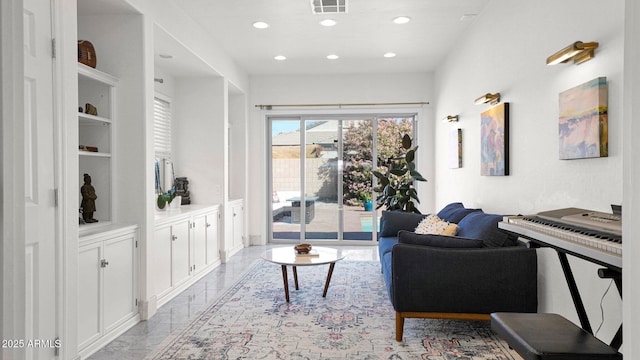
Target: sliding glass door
[[321, 182]]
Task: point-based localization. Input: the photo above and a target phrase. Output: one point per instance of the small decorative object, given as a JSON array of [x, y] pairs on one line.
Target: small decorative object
[[80, 109], [303, 248], [86, 53], [455, 149], [166, 198], [89, 197], [182, 189], [88, 148], [583, 126], [494, 130], [90, 109]]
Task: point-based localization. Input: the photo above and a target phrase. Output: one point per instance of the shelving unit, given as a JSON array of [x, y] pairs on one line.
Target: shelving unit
[[98, 89]]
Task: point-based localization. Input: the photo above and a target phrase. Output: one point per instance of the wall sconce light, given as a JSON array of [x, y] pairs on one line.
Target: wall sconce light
[[579, 52], [488, 99], [450, 118]]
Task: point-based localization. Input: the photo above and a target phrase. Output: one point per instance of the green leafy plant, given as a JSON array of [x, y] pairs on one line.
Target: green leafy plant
[[395, 188], [166, 198]]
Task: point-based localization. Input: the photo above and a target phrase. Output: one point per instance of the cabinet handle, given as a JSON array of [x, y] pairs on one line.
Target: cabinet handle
[[208, 224], [104, 263], [174, 238]]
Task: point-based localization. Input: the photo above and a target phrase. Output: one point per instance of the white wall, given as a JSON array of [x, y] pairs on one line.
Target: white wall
[[505, 51], [330, 89], [631, 227]]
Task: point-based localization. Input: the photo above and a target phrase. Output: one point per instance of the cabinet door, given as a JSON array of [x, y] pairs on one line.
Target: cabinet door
[[211, 225], [160, 262], [120, 275], [89, 280], [179, 252], [199, 251], [238, 227]]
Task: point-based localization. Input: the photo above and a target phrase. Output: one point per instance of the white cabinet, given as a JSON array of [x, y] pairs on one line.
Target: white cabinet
[[107, 286], [234, 239], [184, 248], [95, 137], [180, 265]]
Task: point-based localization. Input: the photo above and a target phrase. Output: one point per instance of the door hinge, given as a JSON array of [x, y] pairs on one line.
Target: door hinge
[[136, 302], [136, 244], [56, 194], [53, 48]]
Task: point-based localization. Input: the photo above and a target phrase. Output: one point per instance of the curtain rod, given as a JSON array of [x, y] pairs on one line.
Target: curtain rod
[[270, 107]]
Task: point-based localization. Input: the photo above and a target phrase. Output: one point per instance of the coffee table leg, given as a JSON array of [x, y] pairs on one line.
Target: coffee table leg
[[286, 282], [295, 277], [326, 284]]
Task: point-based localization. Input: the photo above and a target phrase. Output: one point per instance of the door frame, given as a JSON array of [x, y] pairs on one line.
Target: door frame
[[341, 114]]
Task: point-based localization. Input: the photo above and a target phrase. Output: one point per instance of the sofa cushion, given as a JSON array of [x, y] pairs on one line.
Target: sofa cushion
[[432, 224], [455, 212], [478, 225], [434, 240], [393, 221]]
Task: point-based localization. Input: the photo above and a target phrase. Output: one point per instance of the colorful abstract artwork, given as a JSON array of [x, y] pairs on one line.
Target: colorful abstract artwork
[[494, 132], [455, 149], [583, 130]]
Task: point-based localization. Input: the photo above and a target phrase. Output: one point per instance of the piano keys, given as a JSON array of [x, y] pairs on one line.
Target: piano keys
[[595, 237]]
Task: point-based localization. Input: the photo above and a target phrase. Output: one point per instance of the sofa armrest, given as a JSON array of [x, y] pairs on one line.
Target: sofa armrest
[[482, 280]]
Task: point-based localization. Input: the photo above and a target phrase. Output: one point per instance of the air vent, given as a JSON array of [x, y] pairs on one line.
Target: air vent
[[329, 6]]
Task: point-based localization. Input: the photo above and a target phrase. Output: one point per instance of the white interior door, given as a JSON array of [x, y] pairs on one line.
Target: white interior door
[[40, 262]]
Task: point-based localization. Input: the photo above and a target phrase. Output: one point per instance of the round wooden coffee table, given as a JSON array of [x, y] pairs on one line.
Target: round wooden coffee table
[[286, 256]]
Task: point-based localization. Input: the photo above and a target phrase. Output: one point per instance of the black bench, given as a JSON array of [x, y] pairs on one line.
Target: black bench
[[549, 337]]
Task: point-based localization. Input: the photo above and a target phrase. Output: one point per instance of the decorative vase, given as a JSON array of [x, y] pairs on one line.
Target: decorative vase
[[368, 205]]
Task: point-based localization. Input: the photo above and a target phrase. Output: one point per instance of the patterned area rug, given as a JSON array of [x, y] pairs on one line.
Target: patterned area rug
[[252, 320]]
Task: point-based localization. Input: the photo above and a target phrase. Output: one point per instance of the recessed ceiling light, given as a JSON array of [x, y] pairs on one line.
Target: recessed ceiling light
[[260, 25], [332, 57], [165, 56], [280, 57], [389, 55], [401, 19], [328, 22]]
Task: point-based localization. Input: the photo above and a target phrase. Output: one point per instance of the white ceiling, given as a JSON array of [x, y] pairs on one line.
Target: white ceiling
[[360, 38]]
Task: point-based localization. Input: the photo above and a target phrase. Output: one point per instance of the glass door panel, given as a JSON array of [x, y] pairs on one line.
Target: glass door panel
[[322, 210], [285, 179], [357, 199]]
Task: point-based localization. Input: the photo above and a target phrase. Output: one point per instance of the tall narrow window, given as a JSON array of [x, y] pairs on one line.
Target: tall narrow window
[[162, 143], [162, 128]]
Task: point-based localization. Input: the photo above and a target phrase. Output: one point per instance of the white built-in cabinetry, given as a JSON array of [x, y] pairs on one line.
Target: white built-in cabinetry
[[107, 286], [184, 248], [234, 239], [95, 131]]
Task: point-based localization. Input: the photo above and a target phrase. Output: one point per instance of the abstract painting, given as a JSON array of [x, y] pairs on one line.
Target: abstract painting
[[583, 130], [494, 138], [455, 149]]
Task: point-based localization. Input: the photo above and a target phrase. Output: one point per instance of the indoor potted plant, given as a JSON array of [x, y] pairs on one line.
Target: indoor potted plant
[[396, 185]]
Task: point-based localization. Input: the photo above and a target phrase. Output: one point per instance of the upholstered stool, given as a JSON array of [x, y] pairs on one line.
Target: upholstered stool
[[549, 337]]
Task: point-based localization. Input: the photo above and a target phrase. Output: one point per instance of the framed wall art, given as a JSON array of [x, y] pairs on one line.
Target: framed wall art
[[494, 139], [583, 123], [455, 149]]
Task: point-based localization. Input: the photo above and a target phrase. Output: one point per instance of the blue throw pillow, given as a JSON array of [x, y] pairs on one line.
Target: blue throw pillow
[[479, 225], [455, 212], [393, 221], [441, 241]]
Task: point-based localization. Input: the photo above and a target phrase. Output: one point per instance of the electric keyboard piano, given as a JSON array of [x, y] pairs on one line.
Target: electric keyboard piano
[[589, 235]]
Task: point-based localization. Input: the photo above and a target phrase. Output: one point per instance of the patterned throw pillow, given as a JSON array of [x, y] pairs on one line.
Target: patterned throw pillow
[[432, 224]]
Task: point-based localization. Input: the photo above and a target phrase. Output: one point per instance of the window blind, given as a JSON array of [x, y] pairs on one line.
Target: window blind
[[162, 128]]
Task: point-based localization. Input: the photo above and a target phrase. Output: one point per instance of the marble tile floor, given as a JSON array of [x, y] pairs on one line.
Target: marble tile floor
[[144, 337]]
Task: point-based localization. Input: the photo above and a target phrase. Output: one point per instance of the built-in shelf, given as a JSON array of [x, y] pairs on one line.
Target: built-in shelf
[[96, 131]]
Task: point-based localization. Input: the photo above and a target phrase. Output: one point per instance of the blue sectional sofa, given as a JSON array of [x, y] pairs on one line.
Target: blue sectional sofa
[[478, 271]]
